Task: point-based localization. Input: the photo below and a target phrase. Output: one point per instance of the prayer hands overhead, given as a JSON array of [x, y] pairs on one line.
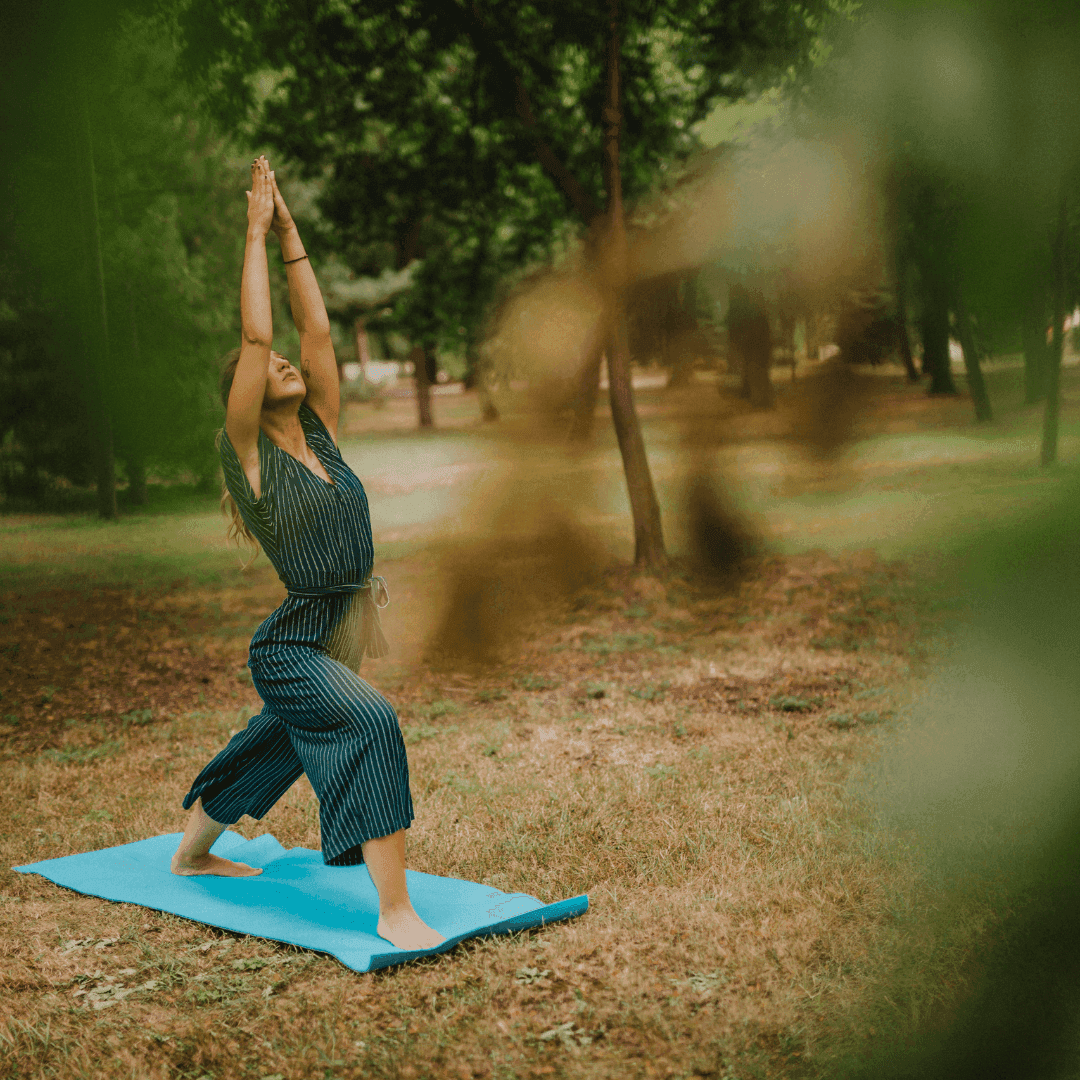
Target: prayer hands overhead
[[261, 197], [283, 221]]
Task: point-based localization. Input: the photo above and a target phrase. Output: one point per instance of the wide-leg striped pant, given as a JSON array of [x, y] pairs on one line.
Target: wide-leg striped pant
[[322, 719]]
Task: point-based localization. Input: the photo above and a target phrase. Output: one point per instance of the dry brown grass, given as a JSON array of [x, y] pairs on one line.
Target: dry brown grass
[[696, 758], [684, 757]]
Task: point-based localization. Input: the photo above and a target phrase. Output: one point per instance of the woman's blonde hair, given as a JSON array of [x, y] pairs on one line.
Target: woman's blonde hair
[[238, 531]]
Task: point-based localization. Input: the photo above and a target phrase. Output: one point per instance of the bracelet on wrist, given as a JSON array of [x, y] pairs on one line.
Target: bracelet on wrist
[[297, 259]]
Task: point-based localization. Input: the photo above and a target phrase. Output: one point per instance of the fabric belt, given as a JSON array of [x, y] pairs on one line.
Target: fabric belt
[[359, 630]]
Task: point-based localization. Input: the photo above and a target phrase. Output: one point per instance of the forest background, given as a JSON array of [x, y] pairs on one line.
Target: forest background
[[444, 160]]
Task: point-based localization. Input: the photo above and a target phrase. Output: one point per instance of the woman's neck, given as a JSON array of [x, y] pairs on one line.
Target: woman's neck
[[282, 427]]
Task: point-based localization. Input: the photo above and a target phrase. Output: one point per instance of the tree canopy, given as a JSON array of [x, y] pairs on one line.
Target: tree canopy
[[472, 132]]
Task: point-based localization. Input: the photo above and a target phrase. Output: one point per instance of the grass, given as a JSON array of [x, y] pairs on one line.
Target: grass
[[735, 888], [701, 762]]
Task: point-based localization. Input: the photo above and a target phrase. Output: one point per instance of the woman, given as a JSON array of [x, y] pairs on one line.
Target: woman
[[303, 504]]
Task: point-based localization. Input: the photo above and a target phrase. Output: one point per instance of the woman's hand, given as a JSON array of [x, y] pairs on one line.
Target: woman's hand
[[260, 198], [283, 221]]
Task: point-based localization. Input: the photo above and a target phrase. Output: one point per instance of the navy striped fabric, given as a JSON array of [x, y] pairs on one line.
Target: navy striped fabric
[[319, 716]]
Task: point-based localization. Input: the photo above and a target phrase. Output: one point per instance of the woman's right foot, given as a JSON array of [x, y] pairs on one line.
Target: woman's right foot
[[405, 929], [213, 865]]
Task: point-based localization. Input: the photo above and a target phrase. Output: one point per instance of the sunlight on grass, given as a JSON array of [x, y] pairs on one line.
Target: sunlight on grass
[[134, 550]]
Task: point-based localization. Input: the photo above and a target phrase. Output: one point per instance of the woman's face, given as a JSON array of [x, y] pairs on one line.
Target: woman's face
[[284, 382]]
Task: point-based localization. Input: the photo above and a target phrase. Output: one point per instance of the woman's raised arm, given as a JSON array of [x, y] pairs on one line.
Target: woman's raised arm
[[257, 326], [318, 363]]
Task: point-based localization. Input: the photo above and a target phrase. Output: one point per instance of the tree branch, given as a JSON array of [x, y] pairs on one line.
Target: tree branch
[[572, 188], [488, 50]]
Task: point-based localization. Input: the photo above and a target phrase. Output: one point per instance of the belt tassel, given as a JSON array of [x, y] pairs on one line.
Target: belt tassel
[[359, 633]]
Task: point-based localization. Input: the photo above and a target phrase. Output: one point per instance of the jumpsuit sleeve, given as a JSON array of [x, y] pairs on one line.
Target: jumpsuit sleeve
[[258, 513]]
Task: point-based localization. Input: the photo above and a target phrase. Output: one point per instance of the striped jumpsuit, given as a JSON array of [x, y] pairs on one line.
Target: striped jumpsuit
[[319, 717]]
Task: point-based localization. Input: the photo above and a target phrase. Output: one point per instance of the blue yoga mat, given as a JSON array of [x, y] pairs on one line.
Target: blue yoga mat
[[297, 898]]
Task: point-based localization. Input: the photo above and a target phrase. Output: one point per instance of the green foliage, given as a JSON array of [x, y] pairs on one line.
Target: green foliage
[[427, 123], [972, 114], [168, 216]]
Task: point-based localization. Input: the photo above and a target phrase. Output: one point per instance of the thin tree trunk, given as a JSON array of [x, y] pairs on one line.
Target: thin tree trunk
[[750, 336], [95, 334], [758, 359], [1052, 412], [902, 336], [787, 337], [135, 460], [133, 443], [677, 303], [976, 383], [648, 533], [811, 345], [423, 385], [477, 372], [682, 370], [489, 411], [363, 350], [935, 336], [1036, 352]]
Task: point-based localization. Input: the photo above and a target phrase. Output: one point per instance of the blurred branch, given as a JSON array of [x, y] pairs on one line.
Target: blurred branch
[[344, 294]]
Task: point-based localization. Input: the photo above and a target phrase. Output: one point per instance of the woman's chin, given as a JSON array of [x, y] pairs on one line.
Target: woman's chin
[[287, 397]]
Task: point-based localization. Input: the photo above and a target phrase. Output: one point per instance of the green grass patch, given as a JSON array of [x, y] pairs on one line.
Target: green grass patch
[[415, 734], [617, 643], [83, 755]]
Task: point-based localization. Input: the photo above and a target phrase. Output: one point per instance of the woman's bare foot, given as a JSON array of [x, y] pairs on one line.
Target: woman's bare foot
[[405, 929], [193, 855], [213, 865]]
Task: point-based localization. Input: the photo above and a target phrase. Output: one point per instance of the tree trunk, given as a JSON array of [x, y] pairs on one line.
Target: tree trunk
[[812, 344], [418, 356], [757, 355], [135, 459], [489, 411], [476, 368], [648, 533], [976, 383], [363, 350], [675, 306], [750, 336], [94, 312], [682, 370], [903, 338], [1036, 352], [1052, 412], [935, 338]]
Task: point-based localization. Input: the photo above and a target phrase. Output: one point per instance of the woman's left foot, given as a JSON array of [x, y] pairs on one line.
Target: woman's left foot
[[407, 930], [212, 865]]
